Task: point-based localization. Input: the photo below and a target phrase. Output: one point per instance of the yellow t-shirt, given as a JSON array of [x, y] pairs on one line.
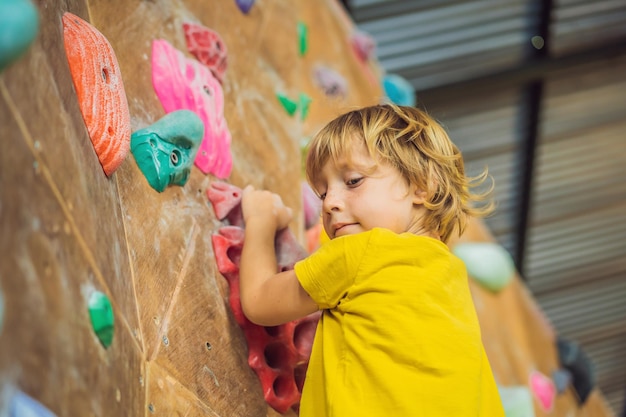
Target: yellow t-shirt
[[399, 335]]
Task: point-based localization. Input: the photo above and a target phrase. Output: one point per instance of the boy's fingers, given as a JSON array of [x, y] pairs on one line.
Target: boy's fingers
[[248, 188]]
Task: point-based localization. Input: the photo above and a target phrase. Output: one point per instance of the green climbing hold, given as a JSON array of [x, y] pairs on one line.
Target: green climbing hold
[[19, 23], [303, 41], [488, 263], [305, 101], [289, 105], [101, 314], [517, 401]]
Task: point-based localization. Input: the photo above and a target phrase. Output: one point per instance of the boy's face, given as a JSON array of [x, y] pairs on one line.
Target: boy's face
[[358, 194]]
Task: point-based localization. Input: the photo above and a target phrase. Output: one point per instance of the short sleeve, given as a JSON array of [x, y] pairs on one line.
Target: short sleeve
[[328, 273]]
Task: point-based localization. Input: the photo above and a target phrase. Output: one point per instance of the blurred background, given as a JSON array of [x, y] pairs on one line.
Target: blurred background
[[536, 91]]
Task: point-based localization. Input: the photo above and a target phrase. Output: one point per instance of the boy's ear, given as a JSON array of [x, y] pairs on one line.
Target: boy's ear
[[419, 196]]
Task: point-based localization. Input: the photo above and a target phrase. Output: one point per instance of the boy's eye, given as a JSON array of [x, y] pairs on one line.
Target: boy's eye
[[322, 196], [353, 181]]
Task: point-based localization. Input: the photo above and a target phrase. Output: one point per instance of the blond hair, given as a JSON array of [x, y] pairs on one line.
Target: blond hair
[[414, 143]]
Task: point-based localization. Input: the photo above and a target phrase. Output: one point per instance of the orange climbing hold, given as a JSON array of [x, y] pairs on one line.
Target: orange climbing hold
[[101, 96]]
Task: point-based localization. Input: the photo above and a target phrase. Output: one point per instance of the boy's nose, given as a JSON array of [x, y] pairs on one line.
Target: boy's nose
[[332, 201]]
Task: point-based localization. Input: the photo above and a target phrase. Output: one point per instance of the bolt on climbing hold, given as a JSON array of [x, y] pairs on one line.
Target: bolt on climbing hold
[[363, 45], [305, 102], [165, 151], [303, 41], [102, 318], [208, 48], [100, 90], [19, 24], [184, 83], [244, 5], [399, 90], [288, 104], [543, 390], [517, 401], [488, 263]]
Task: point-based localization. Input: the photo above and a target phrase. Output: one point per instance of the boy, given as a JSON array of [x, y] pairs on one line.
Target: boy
[[399, 334]]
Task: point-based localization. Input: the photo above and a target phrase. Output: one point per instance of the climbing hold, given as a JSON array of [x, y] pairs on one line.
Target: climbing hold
[[562, 379], [488, 263], [543, 389], [399, 90], [226, 201], [19, 23], [208, 48], [516, 401], [288, 104], [363, 45], [330, 81], [313, 237], [100, 90], [244, 5], [576, 361], [166, 150], [279, 354], [303, 41], [305, 102], [183, 83], [537, 42], [22, 405], [102, 319], [311, 204]]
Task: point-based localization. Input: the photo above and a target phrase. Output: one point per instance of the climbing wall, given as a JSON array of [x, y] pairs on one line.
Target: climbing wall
[[114, 300]]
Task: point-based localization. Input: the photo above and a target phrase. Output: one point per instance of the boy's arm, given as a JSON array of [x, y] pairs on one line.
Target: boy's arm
[[268, 298]]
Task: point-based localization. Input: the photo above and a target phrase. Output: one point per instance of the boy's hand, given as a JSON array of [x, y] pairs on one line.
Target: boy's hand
[[265, 206]]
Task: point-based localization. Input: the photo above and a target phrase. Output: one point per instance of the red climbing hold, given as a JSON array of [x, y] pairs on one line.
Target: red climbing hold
[[280, 354], [208, 47]]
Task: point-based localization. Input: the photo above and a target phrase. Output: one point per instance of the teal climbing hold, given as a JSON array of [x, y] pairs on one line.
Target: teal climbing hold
[[399, 90], [488, 263], [303, 38], [288, 104], [517, 401], [305, 102], [19, 23], [165, 151], [102, 319]]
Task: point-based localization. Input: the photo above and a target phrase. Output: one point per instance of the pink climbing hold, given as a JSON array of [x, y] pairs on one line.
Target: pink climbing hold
[[330, 81], [279, 355], [543, 389], [312, 206], [363, 45], [226, 201], [183, 83], [208, 47]]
